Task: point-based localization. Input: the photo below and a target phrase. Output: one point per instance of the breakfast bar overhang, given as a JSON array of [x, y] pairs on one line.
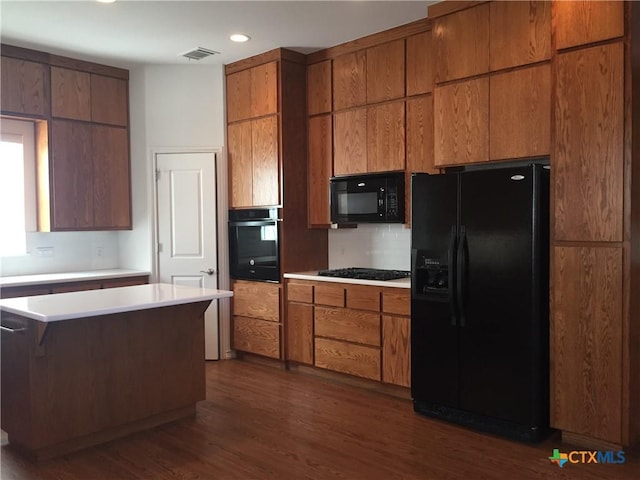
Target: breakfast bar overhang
[[83, 368]]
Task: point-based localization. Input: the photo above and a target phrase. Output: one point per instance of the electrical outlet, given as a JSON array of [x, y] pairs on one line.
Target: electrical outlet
[[46, 252]]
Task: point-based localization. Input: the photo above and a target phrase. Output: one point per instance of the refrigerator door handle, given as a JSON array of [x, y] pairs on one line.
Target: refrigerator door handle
[[452, 277], [461, 264]]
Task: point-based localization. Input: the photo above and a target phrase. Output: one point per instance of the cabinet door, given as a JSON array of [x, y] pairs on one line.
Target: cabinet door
[[264, 89], [350, 142], [420, 135], [240, 165], [111, 177], [396, 350], [582, 22], [347, 324], [300, 332], [319, 88], [520, 33], [257, 300], [586, 342], [420, 59], [359, 360], [320, 171], [256, 336], [349, 80], [70, 94], [109, 100], [264, 157], [588, 146], [520, 113], [385, 137], [71, 171], [385, 71], [462, 43], [461, 122], [239, 96], [23, 87]]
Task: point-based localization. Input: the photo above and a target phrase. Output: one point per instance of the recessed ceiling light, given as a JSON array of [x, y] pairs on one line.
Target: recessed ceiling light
[[239, 37], [105, 1]]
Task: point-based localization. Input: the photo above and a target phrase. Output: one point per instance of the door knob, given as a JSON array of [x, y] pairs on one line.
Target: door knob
[[208, 271]]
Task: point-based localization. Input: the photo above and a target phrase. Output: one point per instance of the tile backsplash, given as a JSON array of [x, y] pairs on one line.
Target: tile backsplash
[[385, 246]]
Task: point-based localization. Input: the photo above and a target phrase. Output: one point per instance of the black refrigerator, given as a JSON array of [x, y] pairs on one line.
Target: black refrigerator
[[480, 299]]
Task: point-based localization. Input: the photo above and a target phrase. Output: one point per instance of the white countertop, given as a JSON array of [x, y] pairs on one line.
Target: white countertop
[[46, 278], [91, 303], [398, 283]]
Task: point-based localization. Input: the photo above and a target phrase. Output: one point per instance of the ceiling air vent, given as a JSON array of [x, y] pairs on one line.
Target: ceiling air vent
[[198, 53]]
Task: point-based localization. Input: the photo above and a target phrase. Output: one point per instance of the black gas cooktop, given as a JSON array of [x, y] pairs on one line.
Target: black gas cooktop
[[365, 273]]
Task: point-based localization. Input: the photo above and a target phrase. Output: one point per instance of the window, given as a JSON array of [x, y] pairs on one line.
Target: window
[[17, 185]]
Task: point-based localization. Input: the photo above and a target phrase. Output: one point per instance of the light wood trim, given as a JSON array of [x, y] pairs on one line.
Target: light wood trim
[[347, 358], [582, 22], [396, 301], [299, 292], [363, 297], [386, 137], [450, 6], [319, 98], [347, 324], [396, 350], [256, 336], [420, 64], [330, 294], [300, 332], [257, 300], [43, 177]]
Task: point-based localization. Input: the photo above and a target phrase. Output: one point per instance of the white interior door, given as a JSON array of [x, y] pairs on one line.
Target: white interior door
[[186, 222]]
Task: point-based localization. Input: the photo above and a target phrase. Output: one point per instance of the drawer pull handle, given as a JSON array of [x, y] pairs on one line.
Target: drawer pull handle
[[11, 330]]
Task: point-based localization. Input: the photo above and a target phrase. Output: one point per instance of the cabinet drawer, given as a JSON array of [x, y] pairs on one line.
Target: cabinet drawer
[[351, 325], [256, 336], [299, 292], [330, 294], [348, 358], [257, 300], [363, 297], [398, 302]]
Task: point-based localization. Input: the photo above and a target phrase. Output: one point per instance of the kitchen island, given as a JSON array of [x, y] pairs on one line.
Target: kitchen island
[[83, 368]]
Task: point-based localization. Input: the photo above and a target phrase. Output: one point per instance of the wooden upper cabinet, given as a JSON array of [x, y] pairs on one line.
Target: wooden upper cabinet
[[588, 147], [386, 137], [320, 169], [70, 94], [265, 165], [385, 71], [264, 89], [462, 43], [111, 177], [23, 87], [420, 135], [238, 96], [319, 88], [582, 22], [520, 33], [587, 341], [349, 80], [109, 100], [350, 142], [240, 165], [520, 113], [420, 60], [461, 122]]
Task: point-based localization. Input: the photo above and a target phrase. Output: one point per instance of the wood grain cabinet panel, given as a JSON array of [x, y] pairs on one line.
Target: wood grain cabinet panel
[[265, 165], [363, 297], [299, 292], [344, 357], [347, 324], [300, 332], [350, 142], [461, 122], [109, 100], [238, 95], [319, 88], [257, 300], [23, 86], [349, 80], [256, 336], [582, 22], [264, 89], [70, 94], [419, 141], [320, 169], [396, 350], [240, 165], [461, 42], [588, 146], [386, 137], [520, 33], [329, 294], [520, 113], [586, 342], [385, 71], [396, 301], [111, 177], [420, 60]]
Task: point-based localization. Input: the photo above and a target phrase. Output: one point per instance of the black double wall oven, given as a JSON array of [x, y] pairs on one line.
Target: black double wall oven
[[253, 244]]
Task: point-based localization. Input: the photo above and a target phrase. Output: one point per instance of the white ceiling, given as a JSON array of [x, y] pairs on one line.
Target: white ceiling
[[132, 32]]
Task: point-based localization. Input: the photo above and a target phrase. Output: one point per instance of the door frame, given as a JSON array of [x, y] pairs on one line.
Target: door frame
[[222, 214]]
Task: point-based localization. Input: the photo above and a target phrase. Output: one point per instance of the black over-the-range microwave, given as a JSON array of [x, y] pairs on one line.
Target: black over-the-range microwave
[[370, 198]]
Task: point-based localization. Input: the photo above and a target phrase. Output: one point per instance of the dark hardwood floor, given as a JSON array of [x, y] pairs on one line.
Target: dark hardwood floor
[[260, 422]]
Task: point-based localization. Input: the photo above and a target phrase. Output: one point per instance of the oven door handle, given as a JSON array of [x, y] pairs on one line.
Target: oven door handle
[[254, 223]]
